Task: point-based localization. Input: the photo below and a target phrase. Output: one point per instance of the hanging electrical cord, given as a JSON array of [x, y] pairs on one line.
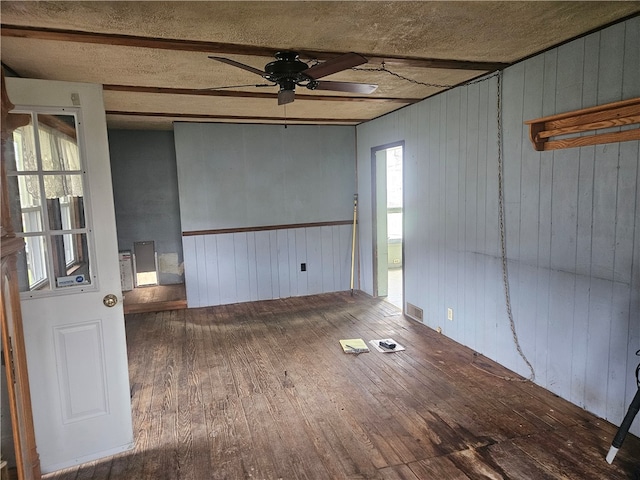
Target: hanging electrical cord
[[384, 69], [503, 240]]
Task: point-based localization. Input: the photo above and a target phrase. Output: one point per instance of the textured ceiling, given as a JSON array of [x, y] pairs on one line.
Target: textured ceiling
[[152, 56]]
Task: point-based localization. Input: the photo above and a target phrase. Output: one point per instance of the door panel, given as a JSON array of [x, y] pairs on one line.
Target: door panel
[[75, 344]]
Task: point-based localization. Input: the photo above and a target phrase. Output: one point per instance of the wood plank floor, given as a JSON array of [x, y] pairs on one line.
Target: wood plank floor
[[263, 391], [155, 299]]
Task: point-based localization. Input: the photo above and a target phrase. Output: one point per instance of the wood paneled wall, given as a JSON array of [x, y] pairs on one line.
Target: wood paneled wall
[[237, 183], [262, 265], [572, 221]]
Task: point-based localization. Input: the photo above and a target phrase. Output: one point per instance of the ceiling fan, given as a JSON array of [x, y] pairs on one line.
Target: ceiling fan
[[288, 70]]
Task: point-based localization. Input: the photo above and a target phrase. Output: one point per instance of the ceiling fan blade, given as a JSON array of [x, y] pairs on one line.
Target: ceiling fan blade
[[346, 87], [286, 96], [228, 61], [343, 62]]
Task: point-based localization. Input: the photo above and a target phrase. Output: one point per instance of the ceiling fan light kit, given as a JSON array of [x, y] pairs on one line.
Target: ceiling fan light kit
[[288, 71]]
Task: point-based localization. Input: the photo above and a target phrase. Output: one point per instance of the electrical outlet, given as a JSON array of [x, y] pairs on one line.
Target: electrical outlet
[[450, 314], [303, 267]]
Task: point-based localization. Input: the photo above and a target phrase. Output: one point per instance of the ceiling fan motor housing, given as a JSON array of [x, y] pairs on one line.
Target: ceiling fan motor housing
[[286, 70]]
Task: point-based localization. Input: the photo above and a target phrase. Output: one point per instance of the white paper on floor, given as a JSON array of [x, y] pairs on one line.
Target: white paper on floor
[[376, 345]]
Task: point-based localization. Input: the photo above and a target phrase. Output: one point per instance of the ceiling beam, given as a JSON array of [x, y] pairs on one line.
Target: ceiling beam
[[244, 94], [194, 116], [230, 48]]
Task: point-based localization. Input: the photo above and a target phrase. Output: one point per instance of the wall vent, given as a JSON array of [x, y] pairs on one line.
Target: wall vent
[[414, 312]]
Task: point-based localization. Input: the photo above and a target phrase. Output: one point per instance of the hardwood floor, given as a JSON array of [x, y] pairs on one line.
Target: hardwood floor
[[263, 391], [155, 299]]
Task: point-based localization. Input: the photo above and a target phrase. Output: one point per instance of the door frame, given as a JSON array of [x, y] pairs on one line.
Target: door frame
[[374, 213]]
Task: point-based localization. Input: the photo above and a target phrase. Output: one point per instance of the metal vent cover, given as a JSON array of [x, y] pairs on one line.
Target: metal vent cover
[[414, 312]]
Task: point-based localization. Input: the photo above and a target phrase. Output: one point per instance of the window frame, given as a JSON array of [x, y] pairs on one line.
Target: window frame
[[50, 281]]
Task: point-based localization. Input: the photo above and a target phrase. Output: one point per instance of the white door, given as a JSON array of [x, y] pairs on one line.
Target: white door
[[75, 343]]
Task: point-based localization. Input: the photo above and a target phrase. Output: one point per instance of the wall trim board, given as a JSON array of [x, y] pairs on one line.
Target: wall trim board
[[263, 228]]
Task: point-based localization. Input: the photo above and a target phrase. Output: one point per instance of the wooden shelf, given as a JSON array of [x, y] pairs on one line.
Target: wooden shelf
[[618, 114]]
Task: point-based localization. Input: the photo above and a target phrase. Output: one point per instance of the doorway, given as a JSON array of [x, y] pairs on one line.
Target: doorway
[[387, 187]]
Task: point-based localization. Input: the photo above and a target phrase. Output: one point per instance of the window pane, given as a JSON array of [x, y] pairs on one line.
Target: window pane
[[26, 212], [65, 201], [394, 225], [32, 270], [58, 144], [24, 149], [394, 177], [70, 260]]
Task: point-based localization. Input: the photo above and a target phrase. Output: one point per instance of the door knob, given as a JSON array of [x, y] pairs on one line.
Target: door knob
[[110, 300]]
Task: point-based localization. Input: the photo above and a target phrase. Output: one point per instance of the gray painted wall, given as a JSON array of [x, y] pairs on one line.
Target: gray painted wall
[[254, 175], [145, 187], [245, 176], [572, 221]]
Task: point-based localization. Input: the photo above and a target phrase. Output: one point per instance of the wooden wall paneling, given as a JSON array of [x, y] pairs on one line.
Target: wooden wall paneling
[[421, 191], [191, 271], [314, 260], [275, 265], [462, 311], [440, 218], [237, 267], [201, 255], [481, 212], [587, 159], [284, 268], [226, 268], [565, 174], [611, 69], [525, 314], [261, 259], [338, 260], [471, 279], [250, 257], [603, 230], [294, 266], [634, 299], [243, 285], [301, 257], [212, 276], [631, 151], [326, 255], [494, 305], [453, 163], [544, 233], [621, 372], [630, 77], [345, 233], [597, 359], [418, 191]]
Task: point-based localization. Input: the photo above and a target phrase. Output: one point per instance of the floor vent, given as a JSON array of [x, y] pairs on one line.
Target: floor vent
[[413, 311]]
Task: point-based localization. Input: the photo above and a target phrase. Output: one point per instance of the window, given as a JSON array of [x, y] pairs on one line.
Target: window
[[46, 183], [394, 193]]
